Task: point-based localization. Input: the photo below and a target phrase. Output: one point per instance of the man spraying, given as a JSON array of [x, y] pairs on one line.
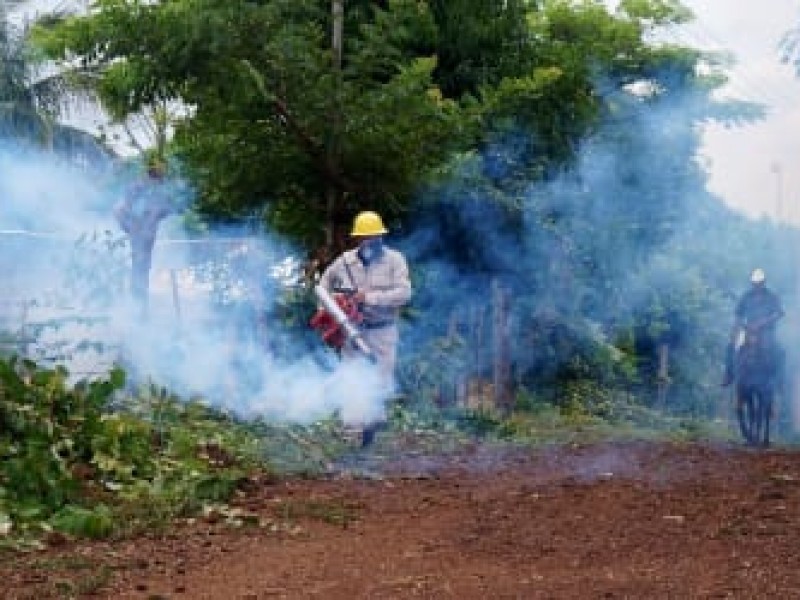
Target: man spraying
[[376, 278]]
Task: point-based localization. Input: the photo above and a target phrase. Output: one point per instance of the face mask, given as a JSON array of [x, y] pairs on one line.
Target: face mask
[[369, 250]]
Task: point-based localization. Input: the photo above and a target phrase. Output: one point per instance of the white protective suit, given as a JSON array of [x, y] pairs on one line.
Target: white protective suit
[[387, 288]]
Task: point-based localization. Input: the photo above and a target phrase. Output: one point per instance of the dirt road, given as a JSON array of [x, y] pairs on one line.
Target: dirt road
[[612, 520]]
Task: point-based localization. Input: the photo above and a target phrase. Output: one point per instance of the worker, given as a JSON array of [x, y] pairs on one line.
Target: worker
[[376, 277]]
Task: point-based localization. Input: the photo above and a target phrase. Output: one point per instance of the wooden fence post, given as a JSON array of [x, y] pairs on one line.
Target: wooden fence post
[[663, 374], [501, 355]]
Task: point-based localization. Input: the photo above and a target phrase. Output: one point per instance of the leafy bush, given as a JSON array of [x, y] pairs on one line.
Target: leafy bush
[[90, 460], [46, 430]]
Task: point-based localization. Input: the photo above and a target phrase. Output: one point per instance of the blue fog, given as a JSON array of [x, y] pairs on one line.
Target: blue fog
[[627, 237]]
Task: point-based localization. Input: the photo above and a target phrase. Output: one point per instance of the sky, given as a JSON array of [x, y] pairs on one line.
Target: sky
[[754, 167]]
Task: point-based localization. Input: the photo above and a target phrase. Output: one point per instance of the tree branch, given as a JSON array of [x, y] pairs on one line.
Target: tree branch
[[312, 147]]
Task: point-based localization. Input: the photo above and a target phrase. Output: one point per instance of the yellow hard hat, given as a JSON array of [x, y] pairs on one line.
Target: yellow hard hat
[[368, 223]]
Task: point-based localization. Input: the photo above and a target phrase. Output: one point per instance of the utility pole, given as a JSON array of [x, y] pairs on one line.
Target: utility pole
[[338, 26], [778, 170], [337, 14]]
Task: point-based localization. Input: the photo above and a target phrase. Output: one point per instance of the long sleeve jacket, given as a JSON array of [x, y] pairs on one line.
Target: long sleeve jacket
[[384, 281]]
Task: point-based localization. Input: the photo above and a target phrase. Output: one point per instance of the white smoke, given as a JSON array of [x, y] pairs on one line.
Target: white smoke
[[201, 338]]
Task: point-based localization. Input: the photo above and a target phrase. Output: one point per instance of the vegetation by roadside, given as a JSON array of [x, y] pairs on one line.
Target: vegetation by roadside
[[99, 459]]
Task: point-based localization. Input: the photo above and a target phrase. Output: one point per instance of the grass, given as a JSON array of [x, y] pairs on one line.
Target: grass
[[549, 424], [86, 584], [333, 512], [69, 577]]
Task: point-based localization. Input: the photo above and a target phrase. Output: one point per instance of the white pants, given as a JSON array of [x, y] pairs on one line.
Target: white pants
[[383, 342]]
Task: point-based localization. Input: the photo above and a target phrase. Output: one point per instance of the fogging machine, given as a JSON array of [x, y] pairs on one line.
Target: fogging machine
[[337, 321]]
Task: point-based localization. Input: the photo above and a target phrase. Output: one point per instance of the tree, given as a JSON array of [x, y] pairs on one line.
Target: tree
[[586, 173], [282, 121], [31, 98], [267, 105], [22, 113], [531, 135]]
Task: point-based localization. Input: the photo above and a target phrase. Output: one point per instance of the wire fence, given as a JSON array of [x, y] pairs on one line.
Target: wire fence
[[42, 319]]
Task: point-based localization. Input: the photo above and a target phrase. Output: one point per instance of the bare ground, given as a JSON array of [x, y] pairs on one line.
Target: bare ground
[[609, 520]]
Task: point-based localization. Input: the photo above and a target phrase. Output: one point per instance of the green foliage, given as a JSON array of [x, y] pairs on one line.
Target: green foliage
[[588, 413], [483, 423], [273, 123], [83, 522], [164, 457], [88, 460], [660, 12], [479, 42], [482, 105], [32, 98], [46, 429], [277, 124], [435, 367]]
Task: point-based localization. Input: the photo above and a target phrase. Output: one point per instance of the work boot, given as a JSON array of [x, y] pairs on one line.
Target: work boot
[[368, 435], [370, 431]]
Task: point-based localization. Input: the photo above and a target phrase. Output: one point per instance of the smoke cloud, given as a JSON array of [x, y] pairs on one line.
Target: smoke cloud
[[66, 299], [624, 252]]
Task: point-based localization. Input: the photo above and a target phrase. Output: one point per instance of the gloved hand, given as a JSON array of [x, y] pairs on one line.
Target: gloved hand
[[360, 297]]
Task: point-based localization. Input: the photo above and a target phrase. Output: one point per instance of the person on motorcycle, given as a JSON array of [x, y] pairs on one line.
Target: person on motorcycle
[[757, 313]]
